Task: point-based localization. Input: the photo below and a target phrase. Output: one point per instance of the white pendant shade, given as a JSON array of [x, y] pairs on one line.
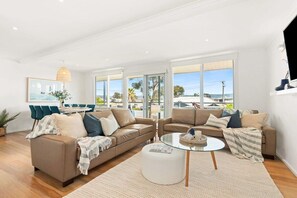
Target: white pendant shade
[[63, 75]]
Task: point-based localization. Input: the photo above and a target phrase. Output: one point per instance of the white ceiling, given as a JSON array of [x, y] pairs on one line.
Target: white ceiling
[[108, 33]]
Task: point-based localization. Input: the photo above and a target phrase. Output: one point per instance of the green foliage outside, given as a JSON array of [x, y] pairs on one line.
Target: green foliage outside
[[99, 101], [229, 106], [178, 91], [4, 118]]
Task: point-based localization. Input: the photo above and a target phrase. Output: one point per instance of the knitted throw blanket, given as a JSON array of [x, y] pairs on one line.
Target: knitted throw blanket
[[245, 143], [90, 148]]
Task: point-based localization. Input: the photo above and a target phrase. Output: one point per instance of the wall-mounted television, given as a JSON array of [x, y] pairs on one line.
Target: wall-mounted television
[[290, 35]]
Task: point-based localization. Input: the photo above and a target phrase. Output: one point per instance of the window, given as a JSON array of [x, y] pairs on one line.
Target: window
[[208, 85], [109, 91], [101, 91], [135, 95]]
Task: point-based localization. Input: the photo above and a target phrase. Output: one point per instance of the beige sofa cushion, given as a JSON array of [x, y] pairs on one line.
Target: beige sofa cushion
[[124, 135], [142, 128], [210, 131], [177, 127], [123, 116], [71, 126], [202, 115], [183, 115], [254, 120], [101, 114]]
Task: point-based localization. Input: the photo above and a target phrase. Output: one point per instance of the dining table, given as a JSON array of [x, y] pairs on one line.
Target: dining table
[[70, 110]]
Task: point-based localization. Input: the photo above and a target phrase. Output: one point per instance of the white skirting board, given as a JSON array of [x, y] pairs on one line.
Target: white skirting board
[[287, 164]]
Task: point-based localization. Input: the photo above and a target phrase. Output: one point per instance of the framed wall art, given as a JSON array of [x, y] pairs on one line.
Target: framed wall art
[[38, 89]]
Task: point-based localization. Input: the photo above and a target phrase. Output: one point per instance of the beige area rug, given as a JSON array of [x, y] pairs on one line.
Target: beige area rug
[[234, 178]]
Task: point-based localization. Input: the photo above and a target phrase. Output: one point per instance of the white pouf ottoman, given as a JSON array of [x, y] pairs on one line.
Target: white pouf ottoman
[[163, 168]]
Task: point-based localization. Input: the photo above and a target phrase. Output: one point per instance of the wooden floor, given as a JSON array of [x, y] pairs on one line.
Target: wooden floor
[[18, 179]]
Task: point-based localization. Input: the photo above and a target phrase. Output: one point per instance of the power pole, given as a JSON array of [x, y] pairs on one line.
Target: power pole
[[223, 91]]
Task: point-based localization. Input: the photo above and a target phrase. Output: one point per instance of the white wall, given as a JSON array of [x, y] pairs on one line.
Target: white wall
[[13, 90], [282, 108], [251, 79]]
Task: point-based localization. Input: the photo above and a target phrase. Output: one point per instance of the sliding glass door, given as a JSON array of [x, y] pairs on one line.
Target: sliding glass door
[[155, 96]]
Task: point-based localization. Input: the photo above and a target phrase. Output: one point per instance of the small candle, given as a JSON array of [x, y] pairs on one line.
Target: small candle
[[198, 134]]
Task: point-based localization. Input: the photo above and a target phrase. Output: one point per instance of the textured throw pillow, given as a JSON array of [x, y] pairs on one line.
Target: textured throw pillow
[[235, 121], [71, 125], [217, 122], [109, 125], [254, 120], [45, 126], [92, 125]]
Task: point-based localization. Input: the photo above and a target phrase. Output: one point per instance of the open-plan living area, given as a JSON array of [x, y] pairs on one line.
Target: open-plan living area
[[148, 98]]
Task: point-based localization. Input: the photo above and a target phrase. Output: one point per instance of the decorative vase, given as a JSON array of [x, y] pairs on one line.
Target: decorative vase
[[61, 103], [2, 131]]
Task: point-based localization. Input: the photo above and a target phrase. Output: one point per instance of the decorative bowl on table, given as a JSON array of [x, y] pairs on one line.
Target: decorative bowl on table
[[202, 141]]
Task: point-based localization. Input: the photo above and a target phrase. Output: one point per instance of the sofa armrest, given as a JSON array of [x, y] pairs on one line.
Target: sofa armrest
[[55, 155], [147, 121], [161, 124], [270, 140]]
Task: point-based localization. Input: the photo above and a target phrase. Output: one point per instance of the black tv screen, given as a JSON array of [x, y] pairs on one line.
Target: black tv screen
[[290, 34]]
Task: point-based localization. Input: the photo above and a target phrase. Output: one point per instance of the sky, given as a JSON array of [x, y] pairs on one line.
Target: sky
[[212, 82], [190, 82]]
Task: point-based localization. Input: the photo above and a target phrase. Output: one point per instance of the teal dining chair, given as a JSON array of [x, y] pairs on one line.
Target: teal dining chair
[[92, 106], [82, 105], [66, 105], [46, 110], [39, 113], [33, 115], [55, 109], [74, 105]]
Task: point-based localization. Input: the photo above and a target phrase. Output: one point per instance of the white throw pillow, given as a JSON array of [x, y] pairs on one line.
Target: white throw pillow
[[109, 125], [218, 122], [71, 125]]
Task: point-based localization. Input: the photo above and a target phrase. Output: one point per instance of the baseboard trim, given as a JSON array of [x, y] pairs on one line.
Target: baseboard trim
[[287, 164]]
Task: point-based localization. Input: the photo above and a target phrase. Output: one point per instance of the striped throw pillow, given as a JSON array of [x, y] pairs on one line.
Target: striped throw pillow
[[218, 122]]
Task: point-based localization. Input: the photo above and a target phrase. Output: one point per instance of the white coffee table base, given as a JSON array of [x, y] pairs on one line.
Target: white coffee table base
[[162, 168]]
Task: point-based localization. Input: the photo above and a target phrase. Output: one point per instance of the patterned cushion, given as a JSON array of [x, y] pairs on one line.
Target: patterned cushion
[[217, 122], [45, 126]]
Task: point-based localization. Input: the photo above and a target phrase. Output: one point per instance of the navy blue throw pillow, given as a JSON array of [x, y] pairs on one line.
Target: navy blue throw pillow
[[235, 121], [93, 126]]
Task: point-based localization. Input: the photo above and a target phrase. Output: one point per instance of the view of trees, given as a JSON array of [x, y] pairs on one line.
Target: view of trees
[[155, 91], [178, 91], [132, 95]]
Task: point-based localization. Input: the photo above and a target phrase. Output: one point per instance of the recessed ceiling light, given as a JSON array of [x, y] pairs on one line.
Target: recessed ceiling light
[[15, 28], [206, 40], [146, 52]]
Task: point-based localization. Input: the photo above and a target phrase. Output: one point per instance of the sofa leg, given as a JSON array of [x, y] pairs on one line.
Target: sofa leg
[[66, 183], [268, 156], [36, 169]]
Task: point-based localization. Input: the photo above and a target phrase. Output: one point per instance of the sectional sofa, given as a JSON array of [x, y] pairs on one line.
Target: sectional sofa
[[184, 119], [58, 156]]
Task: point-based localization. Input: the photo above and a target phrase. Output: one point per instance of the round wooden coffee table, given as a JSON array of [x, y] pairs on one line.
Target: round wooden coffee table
[[213, 144]]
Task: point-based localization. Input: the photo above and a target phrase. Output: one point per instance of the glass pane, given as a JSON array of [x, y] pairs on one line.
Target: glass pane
[[155, 96], [116, 91], [101, 93], [135, 96], [186, 88], [218, 84]]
